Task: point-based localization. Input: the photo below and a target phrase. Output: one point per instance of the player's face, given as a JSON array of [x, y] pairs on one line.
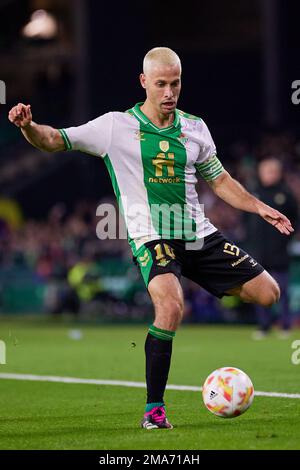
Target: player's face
[[162, 84]]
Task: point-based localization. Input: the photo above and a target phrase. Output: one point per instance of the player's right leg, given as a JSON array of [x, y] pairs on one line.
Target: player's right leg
[[167, 296], [161, 271]]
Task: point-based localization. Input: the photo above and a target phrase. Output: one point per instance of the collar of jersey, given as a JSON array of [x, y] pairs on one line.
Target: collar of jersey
[[141, 117]]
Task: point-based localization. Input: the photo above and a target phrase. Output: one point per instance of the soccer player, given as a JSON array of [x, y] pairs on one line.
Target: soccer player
[[153, 152]]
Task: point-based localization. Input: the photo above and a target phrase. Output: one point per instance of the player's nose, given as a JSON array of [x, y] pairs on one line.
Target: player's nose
[[168, 92]]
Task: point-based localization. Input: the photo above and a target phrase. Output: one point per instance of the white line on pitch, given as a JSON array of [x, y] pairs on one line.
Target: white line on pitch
[[121, 383]]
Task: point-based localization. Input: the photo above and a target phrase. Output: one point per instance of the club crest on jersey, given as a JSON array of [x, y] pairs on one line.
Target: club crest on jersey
[[144, 260], [164, 146], [163, 263]]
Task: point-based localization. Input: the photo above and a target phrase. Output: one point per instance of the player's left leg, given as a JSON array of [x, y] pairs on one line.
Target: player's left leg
[[262, 290], [284, 310]]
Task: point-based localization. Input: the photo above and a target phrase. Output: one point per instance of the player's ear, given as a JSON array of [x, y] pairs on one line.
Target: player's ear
[[143, 80]]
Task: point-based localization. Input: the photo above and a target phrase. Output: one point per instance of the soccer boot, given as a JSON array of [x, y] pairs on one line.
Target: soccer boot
[[156, 419]]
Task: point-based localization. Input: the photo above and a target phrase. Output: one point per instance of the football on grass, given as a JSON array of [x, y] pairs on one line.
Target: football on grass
[[228, 392]]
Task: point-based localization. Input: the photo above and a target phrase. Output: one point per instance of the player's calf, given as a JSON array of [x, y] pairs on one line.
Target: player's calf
[[270, 296]]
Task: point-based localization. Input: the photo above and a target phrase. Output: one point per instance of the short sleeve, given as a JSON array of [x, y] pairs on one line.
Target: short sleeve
[[208, 164], [207, 145], [94, 137]]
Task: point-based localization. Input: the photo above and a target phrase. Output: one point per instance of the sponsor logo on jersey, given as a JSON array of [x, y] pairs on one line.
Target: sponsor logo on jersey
[[253, 262], [140, 136], [165, 180], [241, 260], [164, 165]]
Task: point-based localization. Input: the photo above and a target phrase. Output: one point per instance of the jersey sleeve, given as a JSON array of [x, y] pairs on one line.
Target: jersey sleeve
[[93, 138], [208, 164]]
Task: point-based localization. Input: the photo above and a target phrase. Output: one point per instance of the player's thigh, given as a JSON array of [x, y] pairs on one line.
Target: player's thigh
[[157, 258], [262, 289]]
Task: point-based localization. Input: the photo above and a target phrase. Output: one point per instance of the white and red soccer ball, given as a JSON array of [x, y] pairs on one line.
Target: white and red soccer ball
[[228, 392]]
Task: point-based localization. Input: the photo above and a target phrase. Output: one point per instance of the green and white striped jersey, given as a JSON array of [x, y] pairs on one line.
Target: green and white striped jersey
[[153, 171]]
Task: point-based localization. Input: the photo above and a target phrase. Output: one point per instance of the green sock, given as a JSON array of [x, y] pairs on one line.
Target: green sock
[[158, 350], [165, 335], [150, 406]]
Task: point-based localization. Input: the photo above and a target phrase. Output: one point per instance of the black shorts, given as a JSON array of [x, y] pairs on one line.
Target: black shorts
[[218, 266]]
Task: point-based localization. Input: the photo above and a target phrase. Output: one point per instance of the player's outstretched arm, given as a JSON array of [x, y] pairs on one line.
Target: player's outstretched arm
[[232, 192], [45, 138]]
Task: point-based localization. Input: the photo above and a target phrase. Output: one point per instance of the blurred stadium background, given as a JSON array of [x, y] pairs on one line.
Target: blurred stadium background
[[74, 60]]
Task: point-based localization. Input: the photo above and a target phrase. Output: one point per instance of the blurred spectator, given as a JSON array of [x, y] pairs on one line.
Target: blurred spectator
[[269, 246], [11, 212]]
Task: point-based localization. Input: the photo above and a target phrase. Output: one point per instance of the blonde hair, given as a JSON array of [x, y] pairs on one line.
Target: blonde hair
[[162, 56]]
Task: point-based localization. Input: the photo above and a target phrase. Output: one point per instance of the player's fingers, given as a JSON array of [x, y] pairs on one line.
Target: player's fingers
[[286, 230], [277, 224], [286, 222], [281, 229], [16, 115], [290, 229], [28, 112], [289, 226], [17, 111], [281, 217], [20, 108], [15, 120], [13, 115]]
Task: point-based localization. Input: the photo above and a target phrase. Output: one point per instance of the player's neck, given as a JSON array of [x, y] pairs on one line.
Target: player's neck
[[158, 119]]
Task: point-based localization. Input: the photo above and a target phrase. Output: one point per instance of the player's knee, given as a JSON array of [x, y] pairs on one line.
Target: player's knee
[[271, 295], [174, 308], [170, 312]]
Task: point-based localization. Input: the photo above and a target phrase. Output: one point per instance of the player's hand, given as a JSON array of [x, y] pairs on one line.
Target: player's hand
[[275, 218], [20, 115]]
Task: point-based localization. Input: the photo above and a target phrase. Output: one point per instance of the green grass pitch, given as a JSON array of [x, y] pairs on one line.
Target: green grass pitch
[[42, 415]]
